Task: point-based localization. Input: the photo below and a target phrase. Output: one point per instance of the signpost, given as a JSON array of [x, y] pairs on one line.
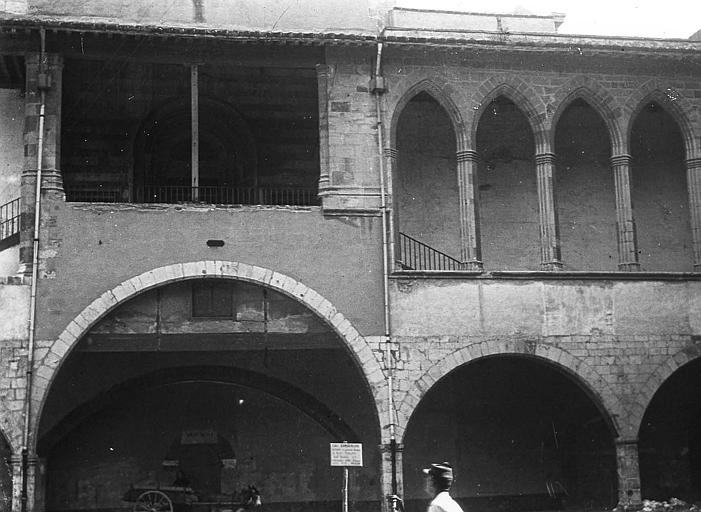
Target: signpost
[[346, 454]]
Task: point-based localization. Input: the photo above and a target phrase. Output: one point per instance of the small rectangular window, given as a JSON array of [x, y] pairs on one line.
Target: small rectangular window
[[212, 299]]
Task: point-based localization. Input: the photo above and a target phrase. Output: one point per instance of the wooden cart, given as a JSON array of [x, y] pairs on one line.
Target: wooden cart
[[186, 499]]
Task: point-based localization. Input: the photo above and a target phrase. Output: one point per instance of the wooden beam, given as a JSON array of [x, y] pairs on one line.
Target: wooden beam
[[207, 342]]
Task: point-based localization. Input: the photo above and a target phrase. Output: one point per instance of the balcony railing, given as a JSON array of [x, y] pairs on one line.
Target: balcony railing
[[416, 255], [9, 224], [280, 196]]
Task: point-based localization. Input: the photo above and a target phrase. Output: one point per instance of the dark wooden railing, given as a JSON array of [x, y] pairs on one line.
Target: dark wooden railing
[[280, 196], [9, 224], [416, 255]]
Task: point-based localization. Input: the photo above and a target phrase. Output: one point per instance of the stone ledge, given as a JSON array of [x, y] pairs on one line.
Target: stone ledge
[[15, 280], [546, 275]]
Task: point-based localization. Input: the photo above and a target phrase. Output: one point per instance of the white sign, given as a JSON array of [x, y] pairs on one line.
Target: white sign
[[346, 454]]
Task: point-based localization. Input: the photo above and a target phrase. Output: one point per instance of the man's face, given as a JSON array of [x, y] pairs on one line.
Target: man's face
[[428, 485]]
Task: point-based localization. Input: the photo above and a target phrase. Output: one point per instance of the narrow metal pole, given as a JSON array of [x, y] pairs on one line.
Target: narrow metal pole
[[195, 130], [345, 489]]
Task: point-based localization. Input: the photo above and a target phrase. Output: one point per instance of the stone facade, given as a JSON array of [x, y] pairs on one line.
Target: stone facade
[[619, 327]]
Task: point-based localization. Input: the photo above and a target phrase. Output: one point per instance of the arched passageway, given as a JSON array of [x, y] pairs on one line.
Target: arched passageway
[[425, 182], [522, 434], [659, 192], [508, 196], [670, 438], [585, 192], [226, 382]]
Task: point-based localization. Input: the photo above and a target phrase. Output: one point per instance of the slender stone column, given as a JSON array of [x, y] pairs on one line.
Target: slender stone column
[[323, 72], [549, 234], [693, 180], [625, 222], [46, 75], [390, 155], [628, 473], [16, 468], [470, 253], [36, 473]]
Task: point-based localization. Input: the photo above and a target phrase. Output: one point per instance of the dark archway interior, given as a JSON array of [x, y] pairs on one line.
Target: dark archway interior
[[425, 184], [126, 127], [670, 438], [164, 149], [508, 196], [521, 434], [5, 475], [659, 192], [584, 190], [250, 382]]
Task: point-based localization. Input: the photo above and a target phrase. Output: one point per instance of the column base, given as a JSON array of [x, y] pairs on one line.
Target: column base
[[629, 267], [24, 270], [551, 266], [472, 266]]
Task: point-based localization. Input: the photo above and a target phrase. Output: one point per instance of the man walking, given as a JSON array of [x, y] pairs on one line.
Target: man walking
[[439, 480]]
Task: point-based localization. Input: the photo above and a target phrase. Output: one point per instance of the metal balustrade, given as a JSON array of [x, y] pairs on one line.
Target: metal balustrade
[[173, 194], [9, 224], [416, 255]]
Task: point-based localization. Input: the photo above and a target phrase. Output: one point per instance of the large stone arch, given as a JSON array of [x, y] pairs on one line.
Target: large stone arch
[[47, 366], [291, 395], [599, 98], [442, 94], [523, 96], [676, 105], [593, 383], [659, 376]]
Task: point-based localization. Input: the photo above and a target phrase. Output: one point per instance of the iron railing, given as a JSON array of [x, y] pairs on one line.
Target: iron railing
[[172, 194], [95, 193], [416, 255], [9, 224]]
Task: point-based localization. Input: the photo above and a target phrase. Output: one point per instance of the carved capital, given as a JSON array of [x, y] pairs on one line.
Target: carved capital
[[467, 156]]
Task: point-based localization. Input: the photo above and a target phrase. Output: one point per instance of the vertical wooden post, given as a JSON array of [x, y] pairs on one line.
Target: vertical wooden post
[[625, 223], [194, 114]]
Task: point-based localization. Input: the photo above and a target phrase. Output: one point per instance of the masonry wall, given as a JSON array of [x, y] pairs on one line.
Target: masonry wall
[[350, 155], [614, 335], [338, 257], [11, 163], [543, 86], [12, 157], [14, 304]]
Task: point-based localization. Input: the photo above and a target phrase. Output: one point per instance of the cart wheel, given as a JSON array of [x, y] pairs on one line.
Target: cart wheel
[[153, 501]]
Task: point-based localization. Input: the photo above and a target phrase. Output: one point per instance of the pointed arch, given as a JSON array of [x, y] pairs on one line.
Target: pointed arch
[[445, 100], [591, 382], [676, 105], [522, 95], [597, 97], [47, 367]]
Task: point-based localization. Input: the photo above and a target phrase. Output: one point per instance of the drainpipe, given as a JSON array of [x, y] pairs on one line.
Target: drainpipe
[[43, 83], [377, 86]]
